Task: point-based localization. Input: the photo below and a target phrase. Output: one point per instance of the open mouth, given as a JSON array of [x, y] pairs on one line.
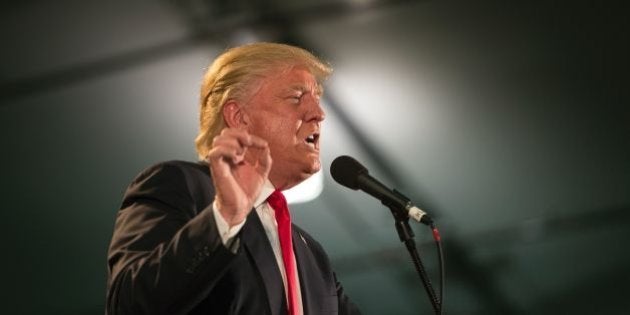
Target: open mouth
[[312, 140]]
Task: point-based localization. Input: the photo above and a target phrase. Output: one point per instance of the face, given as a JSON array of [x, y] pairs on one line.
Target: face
[[285, 111]]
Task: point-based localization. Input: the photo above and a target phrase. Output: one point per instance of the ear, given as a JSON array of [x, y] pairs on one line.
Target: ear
[[234, 115]]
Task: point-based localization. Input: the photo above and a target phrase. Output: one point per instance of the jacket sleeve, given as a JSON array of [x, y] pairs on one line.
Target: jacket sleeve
[[166, 253], [346, 306]]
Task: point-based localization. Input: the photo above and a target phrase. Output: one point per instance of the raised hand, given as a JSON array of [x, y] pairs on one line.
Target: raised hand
[[239, 164]]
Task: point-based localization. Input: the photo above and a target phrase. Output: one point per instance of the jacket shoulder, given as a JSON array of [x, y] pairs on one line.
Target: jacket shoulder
[[173, 182]]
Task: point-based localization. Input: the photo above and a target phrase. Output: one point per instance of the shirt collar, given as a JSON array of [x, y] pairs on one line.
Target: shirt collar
[[266, 191]]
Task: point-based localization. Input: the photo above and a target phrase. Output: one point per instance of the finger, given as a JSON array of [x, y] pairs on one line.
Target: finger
[[265, 161], [233, 140], [228, 142], [242, 136], [225, 153], [258, 142], [260, 158]]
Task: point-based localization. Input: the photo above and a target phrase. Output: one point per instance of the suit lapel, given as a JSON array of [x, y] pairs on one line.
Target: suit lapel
[[305, 270], [257, 245]]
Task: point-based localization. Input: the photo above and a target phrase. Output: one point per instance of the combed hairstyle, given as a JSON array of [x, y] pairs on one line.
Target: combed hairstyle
[[232, 76]]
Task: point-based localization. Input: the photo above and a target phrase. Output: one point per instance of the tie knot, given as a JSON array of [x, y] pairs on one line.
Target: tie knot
[[278, 202]]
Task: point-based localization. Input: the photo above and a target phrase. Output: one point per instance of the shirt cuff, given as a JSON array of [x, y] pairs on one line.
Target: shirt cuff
[[227, 234]]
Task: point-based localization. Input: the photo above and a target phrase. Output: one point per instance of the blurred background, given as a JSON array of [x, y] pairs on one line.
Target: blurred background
[[507, 121]]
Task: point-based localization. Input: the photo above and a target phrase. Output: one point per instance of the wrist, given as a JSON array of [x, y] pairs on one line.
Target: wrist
[[230, 216]]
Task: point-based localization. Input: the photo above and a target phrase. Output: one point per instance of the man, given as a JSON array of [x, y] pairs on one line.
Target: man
[[215, 237]]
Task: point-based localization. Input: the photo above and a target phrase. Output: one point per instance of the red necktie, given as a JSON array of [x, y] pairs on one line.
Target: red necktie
[[283, 218]]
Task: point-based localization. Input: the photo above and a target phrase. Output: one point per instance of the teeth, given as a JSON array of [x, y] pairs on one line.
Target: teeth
[[310, 139]]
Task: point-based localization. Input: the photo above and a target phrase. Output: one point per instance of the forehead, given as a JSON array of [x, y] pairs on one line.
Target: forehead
[[291, 78], [281, 81]]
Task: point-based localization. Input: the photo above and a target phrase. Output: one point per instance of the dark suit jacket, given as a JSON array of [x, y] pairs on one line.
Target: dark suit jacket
[[166, 256]]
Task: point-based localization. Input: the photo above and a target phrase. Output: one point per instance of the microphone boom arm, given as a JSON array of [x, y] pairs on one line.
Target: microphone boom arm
[[405, 233]]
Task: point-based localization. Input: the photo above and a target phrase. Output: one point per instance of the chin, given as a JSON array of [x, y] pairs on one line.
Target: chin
[[315, 166], [311, 169]]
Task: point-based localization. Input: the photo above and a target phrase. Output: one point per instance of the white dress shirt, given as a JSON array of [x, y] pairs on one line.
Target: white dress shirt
[[268, 218]]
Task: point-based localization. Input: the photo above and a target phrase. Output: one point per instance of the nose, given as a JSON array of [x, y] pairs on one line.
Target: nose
[[314, 111]]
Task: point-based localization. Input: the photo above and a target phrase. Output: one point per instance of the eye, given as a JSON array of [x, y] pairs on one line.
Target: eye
[[296, 98]]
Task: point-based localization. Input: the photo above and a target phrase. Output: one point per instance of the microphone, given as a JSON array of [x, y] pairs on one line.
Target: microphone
[[346, 171]]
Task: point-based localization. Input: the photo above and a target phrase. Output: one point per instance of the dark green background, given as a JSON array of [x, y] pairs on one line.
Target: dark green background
[[509, 122]]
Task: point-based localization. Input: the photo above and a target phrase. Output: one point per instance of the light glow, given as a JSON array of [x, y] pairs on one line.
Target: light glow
[[306, 190]]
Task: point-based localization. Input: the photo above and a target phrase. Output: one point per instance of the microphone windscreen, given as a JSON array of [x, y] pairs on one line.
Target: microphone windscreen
[[346, 170]]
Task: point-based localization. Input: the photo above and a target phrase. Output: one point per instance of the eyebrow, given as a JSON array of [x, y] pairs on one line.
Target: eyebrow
[[302, 88]]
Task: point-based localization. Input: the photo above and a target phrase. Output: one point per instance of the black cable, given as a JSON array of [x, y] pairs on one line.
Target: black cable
[[438, 243], [415, 257]]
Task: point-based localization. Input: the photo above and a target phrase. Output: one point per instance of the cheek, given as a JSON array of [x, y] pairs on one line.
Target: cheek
[[279, 128], [285, 129], [279, 135], [267, 128]]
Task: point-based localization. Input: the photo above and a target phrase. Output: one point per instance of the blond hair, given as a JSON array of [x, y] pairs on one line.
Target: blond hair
[[231, 75]]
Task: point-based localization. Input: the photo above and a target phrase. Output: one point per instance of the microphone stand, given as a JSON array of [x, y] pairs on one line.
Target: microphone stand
[[406, 236]]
